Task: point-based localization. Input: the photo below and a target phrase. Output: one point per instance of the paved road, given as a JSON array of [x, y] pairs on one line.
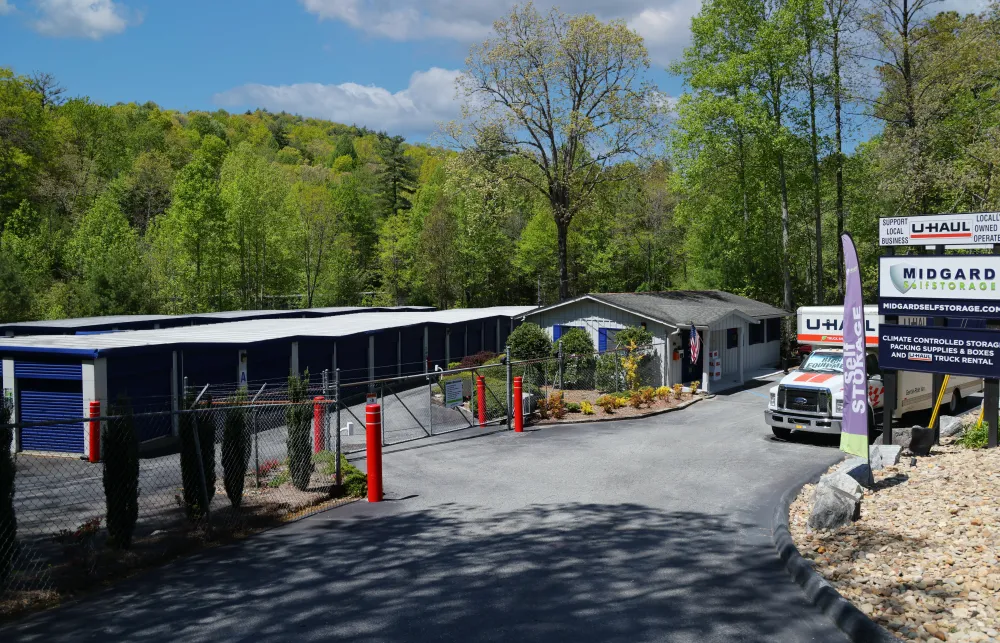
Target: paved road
[[646, 530]]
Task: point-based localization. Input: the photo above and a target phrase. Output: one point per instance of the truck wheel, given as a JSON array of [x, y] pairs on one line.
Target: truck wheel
[[781, 434], [873, 430], [956, 399]]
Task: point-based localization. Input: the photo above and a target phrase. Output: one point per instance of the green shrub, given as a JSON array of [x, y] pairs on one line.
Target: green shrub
[[8, 519], [975, 437], [235, 448], [120, 452], [640, 336], [529, 341], [572, 407], [605, 373], [355, 481], [576, 341], [202, 418], [299, 443]]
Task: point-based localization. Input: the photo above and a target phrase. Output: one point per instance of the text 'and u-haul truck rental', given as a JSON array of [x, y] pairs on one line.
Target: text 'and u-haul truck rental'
[[812, 397]]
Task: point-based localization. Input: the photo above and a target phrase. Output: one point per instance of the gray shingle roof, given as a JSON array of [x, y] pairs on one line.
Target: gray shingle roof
[[683, 307]]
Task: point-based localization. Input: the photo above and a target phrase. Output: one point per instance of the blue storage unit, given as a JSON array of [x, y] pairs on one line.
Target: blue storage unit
[[456, 342], [50, 391], [412, 350], [386, 347], [435, 346]]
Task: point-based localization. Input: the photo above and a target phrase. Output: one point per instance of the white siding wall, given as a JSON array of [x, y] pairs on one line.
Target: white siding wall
[[730, 356], [765, 355], [592, 316]]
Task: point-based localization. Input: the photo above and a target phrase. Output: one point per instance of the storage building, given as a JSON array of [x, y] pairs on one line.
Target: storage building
[[54, 377], [738, 337]]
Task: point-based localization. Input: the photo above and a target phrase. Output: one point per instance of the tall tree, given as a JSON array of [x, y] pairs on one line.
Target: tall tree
[[312, 199], [397, 175], [814, 32], [565, 94], [841, 21], [253, 193]]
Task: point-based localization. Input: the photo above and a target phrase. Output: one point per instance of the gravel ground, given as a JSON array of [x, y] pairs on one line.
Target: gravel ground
[[923, 559]]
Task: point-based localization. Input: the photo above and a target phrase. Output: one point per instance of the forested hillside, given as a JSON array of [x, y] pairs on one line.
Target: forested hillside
[[133, 208]]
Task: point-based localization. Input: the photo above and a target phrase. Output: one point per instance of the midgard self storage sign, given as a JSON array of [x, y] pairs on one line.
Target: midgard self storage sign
[[936, 349], [947, 286], [981, 228]]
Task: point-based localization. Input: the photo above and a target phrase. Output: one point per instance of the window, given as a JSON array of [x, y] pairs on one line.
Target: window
[[732, 338], [756, 334], [606, 338], [773, 329]]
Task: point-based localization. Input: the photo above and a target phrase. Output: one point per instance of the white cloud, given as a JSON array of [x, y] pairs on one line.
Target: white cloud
[[6, 7], [92, 19], [427, 100], [665, 24]]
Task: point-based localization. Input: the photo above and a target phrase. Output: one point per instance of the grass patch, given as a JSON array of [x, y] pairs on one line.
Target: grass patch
[[355, 481], [975, 437]]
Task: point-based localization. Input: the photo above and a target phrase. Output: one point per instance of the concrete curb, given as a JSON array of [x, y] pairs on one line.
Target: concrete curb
[[679, 407], [848, 618]]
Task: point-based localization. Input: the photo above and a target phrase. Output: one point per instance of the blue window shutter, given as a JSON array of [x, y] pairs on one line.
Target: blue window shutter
[[556, 332], [602, 339]]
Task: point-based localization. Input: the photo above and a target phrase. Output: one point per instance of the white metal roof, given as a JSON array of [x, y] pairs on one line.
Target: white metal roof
[[112, 320], [248, 332]]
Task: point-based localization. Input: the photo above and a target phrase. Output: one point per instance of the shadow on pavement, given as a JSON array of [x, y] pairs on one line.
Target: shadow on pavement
[[569, 572]]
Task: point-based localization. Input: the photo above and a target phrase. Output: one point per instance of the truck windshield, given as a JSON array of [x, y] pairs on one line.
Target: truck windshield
[[824, 363]]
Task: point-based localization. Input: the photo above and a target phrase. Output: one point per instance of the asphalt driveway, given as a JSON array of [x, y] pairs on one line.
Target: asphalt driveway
[[654, 529]]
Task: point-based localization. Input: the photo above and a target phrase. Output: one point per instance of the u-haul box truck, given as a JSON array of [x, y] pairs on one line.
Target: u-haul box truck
[[812, 397]]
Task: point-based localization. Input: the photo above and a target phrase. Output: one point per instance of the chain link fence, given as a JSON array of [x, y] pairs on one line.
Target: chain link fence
[[238, 463]]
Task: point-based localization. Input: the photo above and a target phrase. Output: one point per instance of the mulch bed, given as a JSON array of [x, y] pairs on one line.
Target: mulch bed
[[619, 414]]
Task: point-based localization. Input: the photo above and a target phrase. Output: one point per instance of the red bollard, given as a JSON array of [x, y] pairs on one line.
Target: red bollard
[[518, 415], [481, 399], [318, 424], [373, 445], [94, 432]]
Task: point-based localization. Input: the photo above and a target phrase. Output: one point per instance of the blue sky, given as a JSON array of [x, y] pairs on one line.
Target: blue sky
[[387, 64]]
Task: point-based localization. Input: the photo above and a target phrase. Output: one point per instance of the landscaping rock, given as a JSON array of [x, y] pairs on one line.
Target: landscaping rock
[[883, 455], [833, 508], [843, 482], [951, 426], [858, 469], [918, 440]]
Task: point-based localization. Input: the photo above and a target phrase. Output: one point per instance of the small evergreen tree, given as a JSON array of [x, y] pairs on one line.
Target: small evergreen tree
[[297, 417], [8, 519], [235, 448], [120, 446], [190, 474]]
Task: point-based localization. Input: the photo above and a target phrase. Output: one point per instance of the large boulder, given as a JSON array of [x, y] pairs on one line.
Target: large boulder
[[883, 455], [833, 508], [844, 482], [950, 426], [917, 440], [858, 469]]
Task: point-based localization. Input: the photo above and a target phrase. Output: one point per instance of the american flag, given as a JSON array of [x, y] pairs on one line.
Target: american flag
[[695, 345]]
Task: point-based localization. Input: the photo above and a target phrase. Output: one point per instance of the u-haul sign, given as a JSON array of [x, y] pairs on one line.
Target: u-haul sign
[[972, 230], [824, 325]]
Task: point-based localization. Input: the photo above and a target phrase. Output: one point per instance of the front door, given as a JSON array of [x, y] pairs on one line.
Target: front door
[[691, 371]]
